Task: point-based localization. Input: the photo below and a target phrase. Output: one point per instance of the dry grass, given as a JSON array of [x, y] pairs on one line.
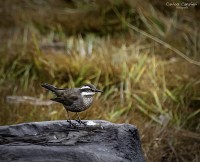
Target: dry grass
[[144, 83]]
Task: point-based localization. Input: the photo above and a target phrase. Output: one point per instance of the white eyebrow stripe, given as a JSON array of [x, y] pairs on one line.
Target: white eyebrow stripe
[[87, 93], [85, 87]]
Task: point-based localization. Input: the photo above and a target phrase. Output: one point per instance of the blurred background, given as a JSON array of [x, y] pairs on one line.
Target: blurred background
[[144, 55]]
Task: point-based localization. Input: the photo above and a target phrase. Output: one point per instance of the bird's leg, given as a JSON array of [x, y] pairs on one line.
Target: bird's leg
[[69, 120], [79, 120]]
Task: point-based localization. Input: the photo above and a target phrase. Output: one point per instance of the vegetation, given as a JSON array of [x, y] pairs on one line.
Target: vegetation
[[146, 82]]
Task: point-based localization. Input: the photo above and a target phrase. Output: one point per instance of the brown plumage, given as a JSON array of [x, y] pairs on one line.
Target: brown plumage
[[74, 99]]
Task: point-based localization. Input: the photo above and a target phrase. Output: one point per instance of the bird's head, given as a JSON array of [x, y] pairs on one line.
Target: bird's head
[[89, 90]]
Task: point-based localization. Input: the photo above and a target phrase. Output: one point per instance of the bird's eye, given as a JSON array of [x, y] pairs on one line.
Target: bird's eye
[[88, 90]]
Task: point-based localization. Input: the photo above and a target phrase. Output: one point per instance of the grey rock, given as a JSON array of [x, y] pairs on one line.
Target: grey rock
[[99, 141]]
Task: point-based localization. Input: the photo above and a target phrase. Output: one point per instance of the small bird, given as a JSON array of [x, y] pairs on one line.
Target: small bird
[[74, 99]]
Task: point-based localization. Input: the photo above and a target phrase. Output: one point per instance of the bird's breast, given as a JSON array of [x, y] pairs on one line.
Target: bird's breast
[[80, 105], [87, 101]]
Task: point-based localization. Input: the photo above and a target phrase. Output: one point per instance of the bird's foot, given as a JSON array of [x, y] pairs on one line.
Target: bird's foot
[[71, 124], [81, 122]]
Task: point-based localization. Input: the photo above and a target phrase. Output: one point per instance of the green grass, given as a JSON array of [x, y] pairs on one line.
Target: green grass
[[138, 88]]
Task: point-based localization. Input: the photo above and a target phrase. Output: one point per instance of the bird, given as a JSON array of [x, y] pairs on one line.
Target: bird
[[74, 99]]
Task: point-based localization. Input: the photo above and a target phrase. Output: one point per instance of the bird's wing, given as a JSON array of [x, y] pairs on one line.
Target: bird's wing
[[66, 98]]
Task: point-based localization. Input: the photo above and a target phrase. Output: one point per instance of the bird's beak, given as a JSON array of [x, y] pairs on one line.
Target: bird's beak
[[97, 90]]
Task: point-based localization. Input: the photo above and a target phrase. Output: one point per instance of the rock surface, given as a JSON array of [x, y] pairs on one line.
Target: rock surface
[[99, 141]]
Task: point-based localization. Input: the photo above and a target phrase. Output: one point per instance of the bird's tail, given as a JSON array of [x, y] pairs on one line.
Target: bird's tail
[[49, 87]]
